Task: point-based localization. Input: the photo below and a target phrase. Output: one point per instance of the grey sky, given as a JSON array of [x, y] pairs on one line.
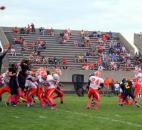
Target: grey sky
[[124, 16]]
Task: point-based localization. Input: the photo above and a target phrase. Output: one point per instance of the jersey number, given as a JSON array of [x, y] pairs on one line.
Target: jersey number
[[127, 85], [94, 81]]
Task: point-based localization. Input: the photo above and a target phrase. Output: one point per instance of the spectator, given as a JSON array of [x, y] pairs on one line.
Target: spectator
[[75, 59], [116, 87], [81, 58], [50, 60], [64, 62], [15, 29], [32, 27], [41, 31], [75, 43], [13, 52]]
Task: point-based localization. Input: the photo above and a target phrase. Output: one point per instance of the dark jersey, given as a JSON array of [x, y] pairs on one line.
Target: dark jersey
[[126, 86]]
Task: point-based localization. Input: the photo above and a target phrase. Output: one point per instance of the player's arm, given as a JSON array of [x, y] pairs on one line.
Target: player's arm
[[3, 55], [88, 84]]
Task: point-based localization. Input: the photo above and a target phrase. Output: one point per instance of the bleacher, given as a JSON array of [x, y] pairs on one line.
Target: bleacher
[[54, 48]]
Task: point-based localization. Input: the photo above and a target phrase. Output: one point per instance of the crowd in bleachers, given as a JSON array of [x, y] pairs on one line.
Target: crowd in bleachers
[[25, 30], [109, 53]]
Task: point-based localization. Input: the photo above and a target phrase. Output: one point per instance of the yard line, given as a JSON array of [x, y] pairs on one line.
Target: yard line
[[42, 117], [17, 117], [106, 118]]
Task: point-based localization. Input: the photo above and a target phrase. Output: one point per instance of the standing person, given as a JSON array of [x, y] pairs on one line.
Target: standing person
[[116, 87], [13, 84], [24, 67], [50, 90], [58, 91], [33, 90], [95, 83], [2, 55], [22, 75]]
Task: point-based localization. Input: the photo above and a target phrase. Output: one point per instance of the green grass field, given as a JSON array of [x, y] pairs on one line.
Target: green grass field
[[72, 116]]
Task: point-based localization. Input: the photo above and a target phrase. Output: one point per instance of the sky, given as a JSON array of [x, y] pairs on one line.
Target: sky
[[124, 16]]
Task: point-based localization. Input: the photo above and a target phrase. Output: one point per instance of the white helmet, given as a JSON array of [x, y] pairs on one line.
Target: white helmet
[[139, 75], [56, 76]]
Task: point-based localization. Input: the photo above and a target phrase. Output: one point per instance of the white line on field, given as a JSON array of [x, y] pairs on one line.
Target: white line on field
[[42, 117], [107, 118], [17, 117]]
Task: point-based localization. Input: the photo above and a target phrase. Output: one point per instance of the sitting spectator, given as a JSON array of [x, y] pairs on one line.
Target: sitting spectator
[[93, 47], [41, 31], [64, 62], [85, 59], [49, 32], [24, 46], [43, 44], [75, 59], [13, 52], [22, 31], [60, 40], [43, 60], [50, 60], [87, 41], [87, 53], [75, 43], [65, 37], [55, 60], [85, 66], [91, 66], [82, 33], [58, 61], [15, 29], [81, 58], [27, 29], [81, 44]]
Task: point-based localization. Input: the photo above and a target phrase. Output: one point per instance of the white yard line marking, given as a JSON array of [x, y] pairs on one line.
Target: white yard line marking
[[17, 117], [107, 118], [117, 115], [42, 117]]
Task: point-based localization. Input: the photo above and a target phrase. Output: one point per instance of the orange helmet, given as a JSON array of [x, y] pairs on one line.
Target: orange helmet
[[97, 73]]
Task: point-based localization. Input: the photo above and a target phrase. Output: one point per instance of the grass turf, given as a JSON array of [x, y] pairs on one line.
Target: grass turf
[[73, 115]]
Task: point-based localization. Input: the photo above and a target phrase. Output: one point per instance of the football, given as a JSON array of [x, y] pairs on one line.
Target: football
[[2, 7]]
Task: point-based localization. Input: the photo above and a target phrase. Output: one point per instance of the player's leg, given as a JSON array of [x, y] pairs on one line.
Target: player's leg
[[49, 95], [90, 94], [31, 92], [59, 93], [97, 99]]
